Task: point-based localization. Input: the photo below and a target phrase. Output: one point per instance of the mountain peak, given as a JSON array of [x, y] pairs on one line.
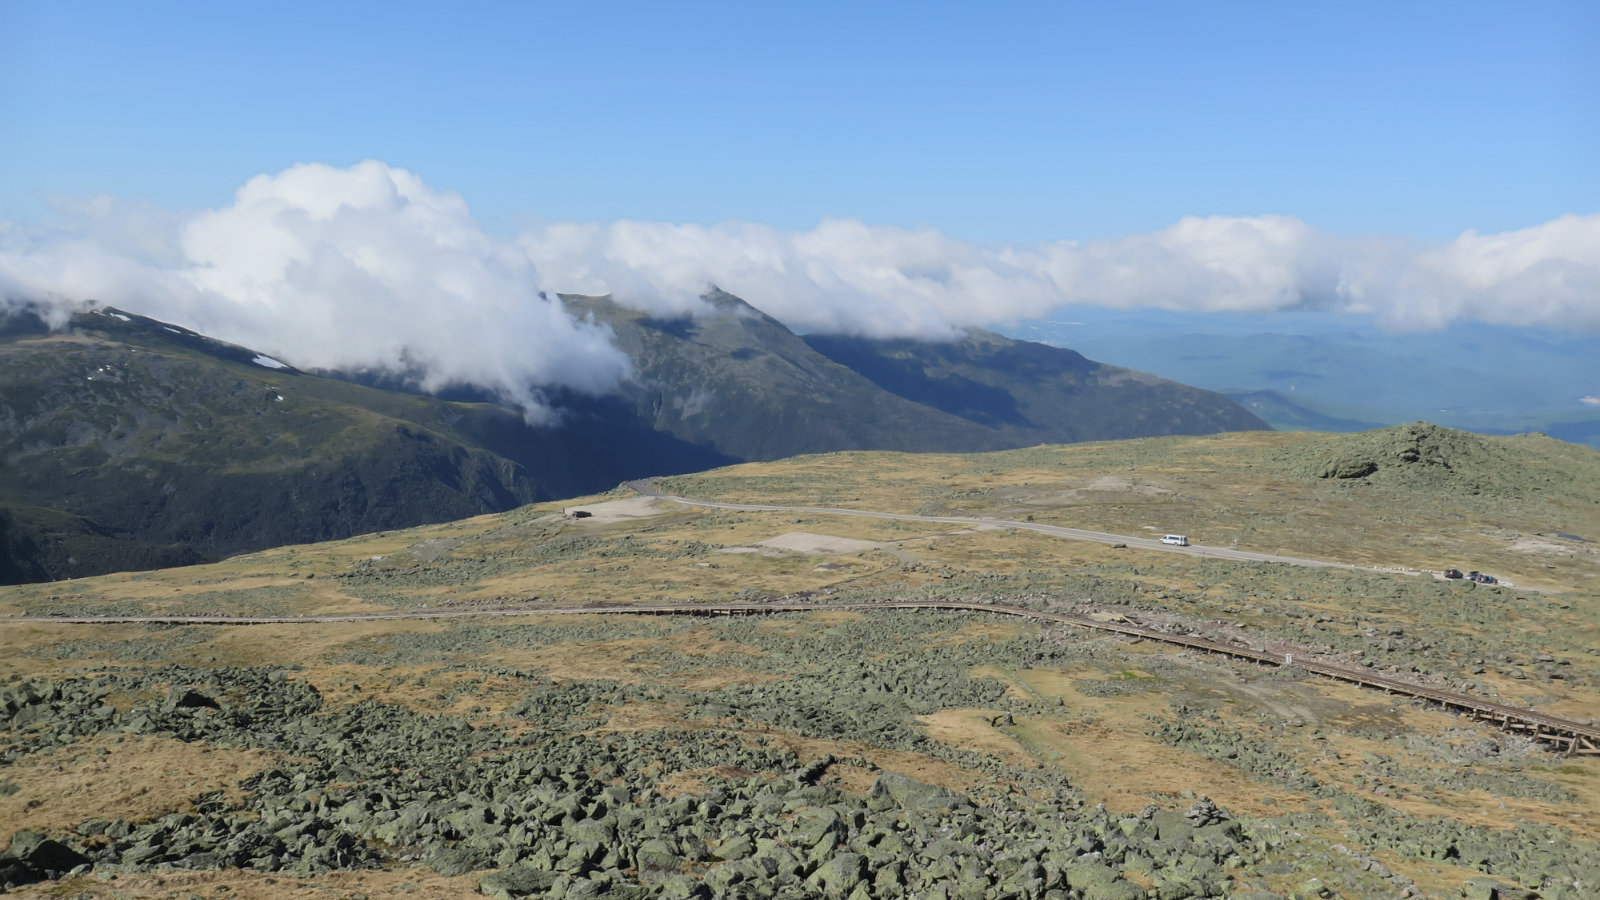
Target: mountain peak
[[722, 300], [121, 325]]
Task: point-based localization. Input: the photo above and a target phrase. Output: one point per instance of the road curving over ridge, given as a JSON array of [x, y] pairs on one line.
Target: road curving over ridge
[[646, 487]]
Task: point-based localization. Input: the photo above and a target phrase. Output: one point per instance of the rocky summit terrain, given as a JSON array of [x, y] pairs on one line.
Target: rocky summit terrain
[[424, 712]]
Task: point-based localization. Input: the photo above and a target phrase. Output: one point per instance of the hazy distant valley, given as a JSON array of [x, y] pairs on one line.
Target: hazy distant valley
[[1320, 372]]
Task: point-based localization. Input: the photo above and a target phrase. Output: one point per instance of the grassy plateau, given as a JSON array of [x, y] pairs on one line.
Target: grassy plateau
[[846, 754]]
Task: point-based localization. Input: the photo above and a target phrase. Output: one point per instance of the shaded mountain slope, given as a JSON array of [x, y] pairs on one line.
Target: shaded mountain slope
[[41, 544], [1028, 393], [124, 429], [740, 382]]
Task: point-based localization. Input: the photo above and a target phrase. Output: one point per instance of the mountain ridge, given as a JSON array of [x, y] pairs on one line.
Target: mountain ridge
[[127, 442], [838, 393]]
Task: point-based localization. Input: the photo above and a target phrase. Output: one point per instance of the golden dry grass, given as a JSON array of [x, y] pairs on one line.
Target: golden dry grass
[[1204, 486], [972, 729], [653, 716], [917, 765], [979, 631], [801, 626], [621, 659], [849, 778], [1103, 747], [133, 778], [1476, 807], [692, 782], [235, 884], [1197, 485]]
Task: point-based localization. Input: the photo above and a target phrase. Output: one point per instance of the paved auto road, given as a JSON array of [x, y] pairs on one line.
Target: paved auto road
[[647, 487]]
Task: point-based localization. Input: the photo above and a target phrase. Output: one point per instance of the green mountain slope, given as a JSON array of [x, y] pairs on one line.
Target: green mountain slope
[[1027, 393], [41, 544], [125, 429], [740, 382]]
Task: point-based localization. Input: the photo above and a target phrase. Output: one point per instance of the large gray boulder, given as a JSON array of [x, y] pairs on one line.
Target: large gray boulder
[[909, 793], [517, 881], [453, 861], [1097, 882], [840, 875], [33, 857]]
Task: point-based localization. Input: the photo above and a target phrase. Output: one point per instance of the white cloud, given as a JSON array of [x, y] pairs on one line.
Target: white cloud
[[1216, 264], [370, 267], [365, 267], [1548, 274], [842, 276], [846, 276]]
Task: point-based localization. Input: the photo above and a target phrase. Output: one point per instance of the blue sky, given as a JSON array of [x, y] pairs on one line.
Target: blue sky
[[991, 123], [350, 185]]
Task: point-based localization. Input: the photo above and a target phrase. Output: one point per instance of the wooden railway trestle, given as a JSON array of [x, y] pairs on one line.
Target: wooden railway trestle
[[1565, 735]]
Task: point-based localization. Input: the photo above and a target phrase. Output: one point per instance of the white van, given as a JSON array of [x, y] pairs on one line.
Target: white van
[[1182, 540]]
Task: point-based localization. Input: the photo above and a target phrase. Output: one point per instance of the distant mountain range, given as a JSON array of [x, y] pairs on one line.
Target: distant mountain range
[[128, 443], [1291, 416], [1345, 372]]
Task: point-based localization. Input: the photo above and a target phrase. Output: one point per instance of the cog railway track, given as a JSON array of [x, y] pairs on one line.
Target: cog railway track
[[1564, 735]]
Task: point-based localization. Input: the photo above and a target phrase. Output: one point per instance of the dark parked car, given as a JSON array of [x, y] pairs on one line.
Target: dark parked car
[[1481, 578], [1452, 573]]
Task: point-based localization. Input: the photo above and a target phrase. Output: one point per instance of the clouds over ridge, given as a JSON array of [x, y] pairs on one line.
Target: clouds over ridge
[[370, 267], [358, 268], [881, 281]]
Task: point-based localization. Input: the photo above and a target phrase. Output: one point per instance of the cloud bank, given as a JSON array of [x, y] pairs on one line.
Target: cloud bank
[[358, 268], [848, 277], [369, 267]]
